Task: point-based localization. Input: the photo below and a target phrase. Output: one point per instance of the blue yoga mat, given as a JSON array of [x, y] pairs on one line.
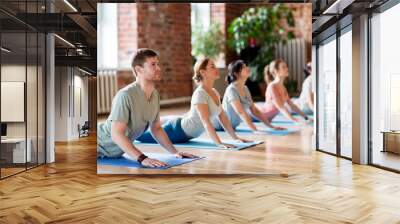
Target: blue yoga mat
[[201, 143], [171, 160], [282, 120], [269, 131]]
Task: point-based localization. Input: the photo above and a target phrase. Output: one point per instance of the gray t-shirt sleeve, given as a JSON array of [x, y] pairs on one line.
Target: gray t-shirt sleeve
[[232, 95], [120, 110], [199, 97]]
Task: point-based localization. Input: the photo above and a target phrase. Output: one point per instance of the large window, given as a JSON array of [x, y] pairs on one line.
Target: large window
[[107, 38], [385, 88], [335, 60], [200, 15], [327, 95], [22, 101], [346, 92]]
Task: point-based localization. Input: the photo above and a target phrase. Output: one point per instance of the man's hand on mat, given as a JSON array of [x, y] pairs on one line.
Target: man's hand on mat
[[226, 146], [153, 163], [242, 140], [182, 155]]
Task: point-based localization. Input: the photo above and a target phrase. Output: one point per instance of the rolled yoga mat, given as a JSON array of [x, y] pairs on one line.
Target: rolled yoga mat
[[201, 143], [125, 160]]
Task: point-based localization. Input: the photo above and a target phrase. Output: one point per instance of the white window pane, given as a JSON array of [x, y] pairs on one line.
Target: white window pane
[[327, 96], [200, 15], [107, 36], [346, 93], [385, 82]]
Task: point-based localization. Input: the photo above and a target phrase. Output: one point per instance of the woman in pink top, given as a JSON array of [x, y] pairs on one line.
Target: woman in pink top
[[276, 95]]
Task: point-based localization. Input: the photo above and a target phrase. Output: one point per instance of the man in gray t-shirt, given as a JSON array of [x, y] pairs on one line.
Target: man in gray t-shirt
[[134, 109]]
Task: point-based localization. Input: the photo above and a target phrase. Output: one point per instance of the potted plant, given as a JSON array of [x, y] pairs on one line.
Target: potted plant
[[255, 34]]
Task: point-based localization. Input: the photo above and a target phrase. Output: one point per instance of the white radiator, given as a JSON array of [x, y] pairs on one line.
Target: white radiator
[[106, 90], [294, 53]]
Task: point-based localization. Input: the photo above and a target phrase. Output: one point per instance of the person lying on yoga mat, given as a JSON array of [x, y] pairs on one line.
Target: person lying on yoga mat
[[237, 102], [205, 105], [276, 95], [135, 108]]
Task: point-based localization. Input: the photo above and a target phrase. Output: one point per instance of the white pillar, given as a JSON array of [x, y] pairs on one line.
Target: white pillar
[[50, 100], [314, 84], [360, 90], [50, 92]]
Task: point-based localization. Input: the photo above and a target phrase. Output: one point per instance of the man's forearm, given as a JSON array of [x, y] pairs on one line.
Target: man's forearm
[[163, 140], [126, 145]]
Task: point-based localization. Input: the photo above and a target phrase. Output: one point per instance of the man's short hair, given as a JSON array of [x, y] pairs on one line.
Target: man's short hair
[[139, 58]]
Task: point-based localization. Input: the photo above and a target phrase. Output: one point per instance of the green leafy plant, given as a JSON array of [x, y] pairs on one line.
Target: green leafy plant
[[263, 28], [207, 43]]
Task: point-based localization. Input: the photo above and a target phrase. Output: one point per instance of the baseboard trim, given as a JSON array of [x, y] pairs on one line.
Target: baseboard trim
[[178, 100]]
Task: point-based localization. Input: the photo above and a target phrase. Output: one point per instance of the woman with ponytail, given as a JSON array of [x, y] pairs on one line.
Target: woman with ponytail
[[205, 106], [276, 95], [237, 101]]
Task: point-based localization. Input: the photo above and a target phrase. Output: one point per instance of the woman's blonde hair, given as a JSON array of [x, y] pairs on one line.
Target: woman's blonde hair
[[201, 64], [270, 70]]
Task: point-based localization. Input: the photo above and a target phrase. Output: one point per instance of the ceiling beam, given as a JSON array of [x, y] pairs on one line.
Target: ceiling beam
[[84, 24], [82, 61]]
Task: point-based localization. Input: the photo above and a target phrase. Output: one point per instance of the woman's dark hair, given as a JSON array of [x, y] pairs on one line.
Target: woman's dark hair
[[234, 68]]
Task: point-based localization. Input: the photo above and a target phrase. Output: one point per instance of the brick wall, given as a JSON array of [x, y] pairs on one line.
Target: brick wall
[[127, 33], [166, 29], [302, 15]]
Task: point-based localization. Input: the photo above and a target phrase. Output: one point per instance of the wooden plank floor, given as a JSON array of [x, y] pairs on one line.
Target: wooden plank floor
[[10, 171], [329, 190], [388, 159], [279, 154]]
